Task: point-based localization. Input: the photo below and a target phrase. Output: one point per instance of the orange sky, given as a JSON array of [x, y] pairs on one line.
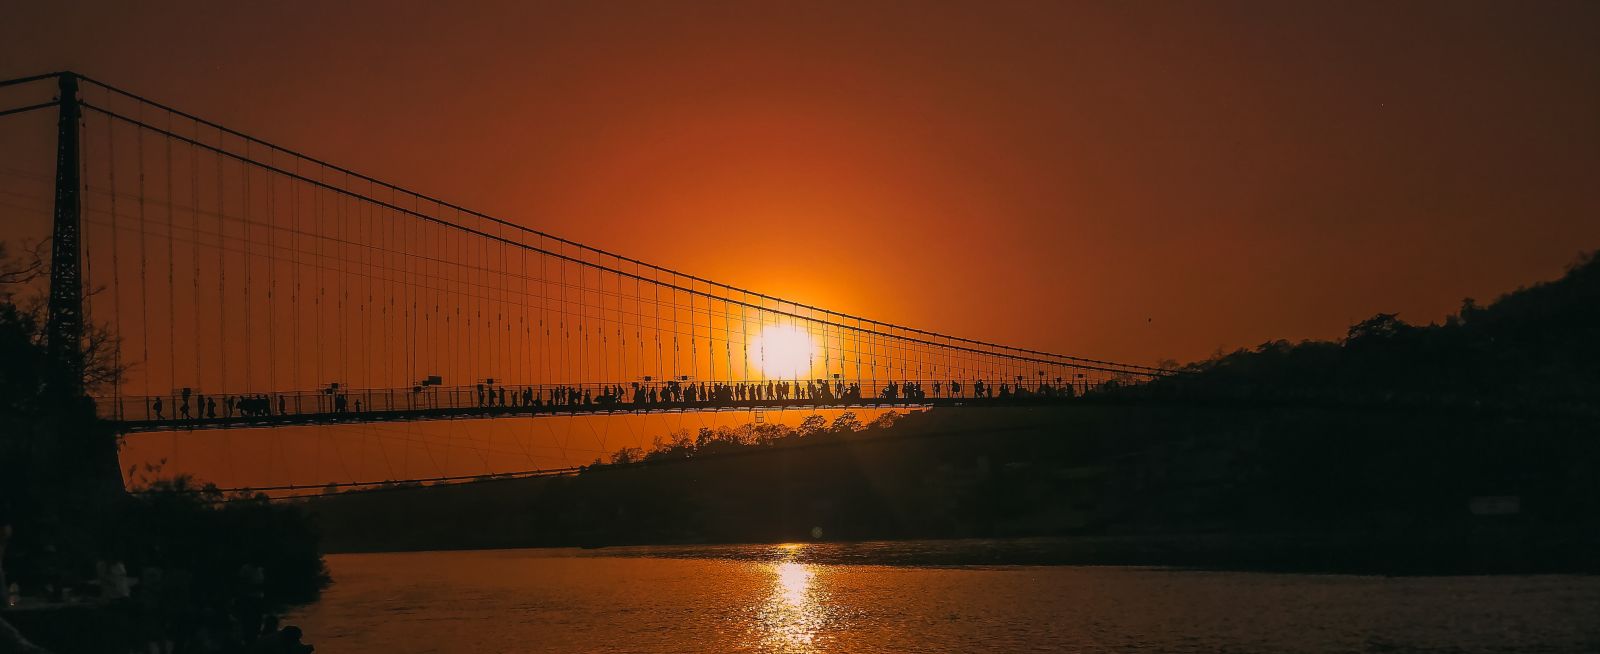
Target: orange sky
[[1135, 181]]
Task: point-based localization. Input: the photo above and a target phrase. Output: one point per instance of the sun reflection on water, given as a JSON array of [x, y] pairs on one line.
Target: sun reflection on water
[[796, 610], [794, 579]]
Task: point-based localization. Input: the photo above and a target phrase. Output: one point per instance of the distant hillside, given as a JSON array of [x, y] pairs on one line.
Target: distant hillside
[[1311, 488], [1538, 346]]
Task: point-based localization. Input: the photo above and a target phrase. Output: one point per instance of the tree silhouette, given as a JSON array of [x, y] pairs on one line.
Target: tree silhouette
[[813, 424], [845, 423]]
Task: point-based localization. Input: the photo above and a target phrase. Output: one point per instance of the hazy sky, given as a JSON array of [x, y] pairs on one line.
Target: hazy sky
[[1127, 180]]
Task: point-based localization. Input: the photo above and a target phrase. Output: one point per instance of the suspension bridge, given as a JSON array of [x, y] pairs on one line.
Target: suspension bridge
[[239, 283]]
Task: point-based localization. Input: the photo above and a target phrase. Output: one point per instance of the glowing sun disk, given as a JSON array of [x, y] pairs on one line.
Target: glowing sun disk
[[785, 352]]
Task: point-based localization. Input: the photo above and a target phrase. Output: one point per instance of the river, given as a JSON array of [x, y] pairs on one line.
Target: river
[[907, 597]]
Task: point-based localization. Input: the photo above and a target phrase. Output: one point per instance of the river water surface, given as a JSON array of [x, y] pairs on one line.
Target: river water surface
[[844, 598]]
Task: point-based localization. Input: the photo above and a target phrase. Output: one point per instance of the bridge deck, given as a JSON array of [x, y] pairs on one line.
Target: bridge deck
[[487, 412]]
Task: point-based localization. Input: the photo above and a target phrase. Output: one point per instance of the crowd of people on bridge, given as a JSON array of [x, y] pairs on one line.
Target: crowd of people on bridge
[[717, 393], [679, 392], [194, 406]]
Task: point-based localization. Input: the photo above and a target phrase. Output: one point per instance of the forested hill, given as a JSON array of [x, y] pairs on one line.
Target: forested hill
[[1536, 346]]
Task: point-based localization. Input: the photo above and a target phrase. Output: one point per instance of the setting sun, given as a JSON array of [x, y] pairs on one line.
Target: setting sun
[[784, 350]]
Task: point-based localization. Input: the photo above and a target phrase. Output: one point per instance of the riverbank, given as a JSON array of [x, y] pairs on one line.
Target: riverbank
[[1296, 553], [172, 566]]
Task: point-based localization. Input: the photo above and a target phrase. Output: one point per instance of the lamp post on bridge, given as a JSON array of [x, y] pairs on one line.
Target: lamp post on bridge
[[332, 391], [429, 384]]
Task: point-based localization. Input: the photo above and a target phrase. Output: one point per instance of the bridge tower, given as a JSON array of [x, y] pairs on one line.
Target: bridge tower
[[64, 329], [75, 454]]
